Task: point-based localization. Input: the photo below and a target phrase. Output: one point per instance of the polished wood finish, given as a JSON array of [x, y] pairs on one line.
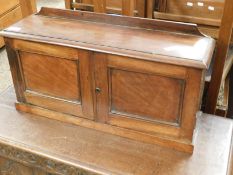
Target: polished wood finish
[[102, 76], [13, 11], [31, 144], [133, 48]]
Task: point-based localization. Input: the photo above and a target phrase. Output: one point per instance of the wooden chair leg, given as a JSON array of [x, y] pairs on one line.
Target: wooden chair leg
[[141, 8], [128, 7], [162, 5], [68, 4], [99, 6], [150, 8], [221, 55]]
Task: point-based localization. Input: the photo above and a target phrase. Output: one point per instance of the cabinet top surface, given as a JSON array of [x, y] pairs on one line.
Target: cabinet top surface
[[153, 40]]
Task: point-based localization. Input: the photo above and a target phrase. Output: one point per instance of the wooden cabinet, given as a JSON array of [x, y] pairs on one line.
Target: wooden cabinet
[[135, 78]]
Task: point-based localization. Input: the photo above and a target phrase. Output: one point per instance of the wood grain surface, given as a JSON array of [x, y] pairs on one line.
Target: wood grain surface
[[5, 7], [45, 74], [154, 91]]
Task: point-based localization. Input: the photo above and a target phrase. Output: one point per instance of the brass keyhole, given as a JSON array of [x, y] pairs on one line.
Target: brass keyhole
[[97, 90]]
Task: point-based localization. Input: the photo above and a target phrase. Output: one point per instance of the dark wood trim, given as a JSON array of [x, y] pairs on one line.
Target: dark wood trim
[[86, 77], [13, 58], [101, 77]]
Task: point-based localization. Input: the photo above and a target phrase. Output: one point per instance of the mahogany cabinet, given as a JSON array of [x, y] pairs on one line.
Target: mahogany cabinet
[[137, 78]]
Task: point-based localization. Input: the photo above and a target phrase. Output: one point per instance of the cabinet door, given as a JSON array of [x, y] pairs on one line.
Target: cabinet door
[[56, 78], [146, 96]]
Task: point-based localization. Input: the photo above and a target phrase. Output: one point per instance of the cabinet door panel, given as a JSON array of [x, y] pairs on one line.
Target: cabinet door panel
[[52, 76], [140, 95], [145, 96], [56, 78]]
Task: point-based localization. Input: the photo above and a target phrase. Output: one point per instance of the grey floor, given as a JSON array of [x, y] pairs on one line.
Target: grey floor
[[50, 3], [5, 76]]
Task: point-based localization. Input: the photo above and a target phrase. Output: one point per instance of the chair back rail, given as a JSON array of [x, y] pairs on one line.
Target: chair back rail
[[124, 7]]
